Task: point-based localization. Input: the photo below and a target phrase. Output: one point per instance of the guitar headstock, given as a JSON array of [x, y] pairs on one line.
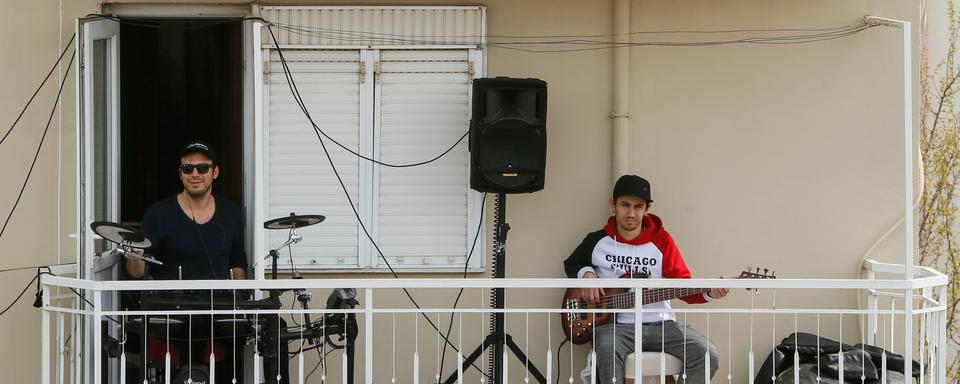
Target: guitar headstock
[[757, 273]]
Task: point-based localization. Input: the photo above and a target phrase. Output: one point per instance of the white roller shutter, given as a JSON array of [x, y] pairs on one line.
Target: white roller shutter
[[423, 101], [300, 179], [376, 26], [388, 82]]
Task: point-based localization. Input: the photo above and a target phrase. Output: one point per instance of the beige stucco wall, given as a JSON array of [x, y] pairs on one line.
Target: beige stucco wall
[[787, 156]]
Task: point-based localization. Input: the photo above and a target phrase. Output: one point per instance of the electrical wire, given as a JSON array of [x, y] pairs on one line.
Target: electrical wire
[[558, 359], [483, 201], [89, 303], [814, 35], [385, 34], [771, 41], [191, 25], [29, 283], [322, 355], [289, 76], [33, 267], [300, 101], [39, 87], [39, 147]]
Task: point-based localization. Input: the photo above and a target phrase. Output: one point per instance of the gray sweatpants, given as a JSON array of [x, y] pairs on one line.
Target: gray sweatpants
[[668, 337]]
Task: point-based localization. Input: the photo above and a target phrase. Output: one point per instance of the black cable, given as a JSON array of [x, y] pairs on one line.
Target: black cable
[[91, 304], [819, 35], [20, 295], [146, 23], [296, 95], [366, 37], [42, 83], [36, 278], [786, 40], [558, 359], [466, 265], [291, 84], [374, 34], [32, 267], [203, 244], [292, 304], [39, 146], [323, 359]]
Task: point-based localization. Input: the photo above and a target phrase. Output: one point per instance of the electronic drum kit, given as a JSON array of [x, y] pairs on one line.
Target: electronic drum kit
[[132, 243]]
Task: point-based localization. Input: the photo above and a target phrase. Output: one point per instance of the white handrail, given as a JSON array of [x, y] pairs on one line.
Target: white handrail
[[162, 285]]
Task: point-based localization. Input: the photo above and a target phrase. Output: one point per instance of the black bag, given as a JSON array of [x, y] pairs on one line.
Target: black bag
[[858, 361]]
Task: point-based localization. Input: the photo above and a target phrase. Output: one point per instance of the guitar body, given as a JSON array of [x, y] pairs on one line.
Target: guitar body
[[578, 326]]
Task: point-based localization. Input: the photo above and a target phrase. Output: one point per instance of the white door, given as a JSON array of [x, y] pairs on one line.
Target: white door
[[98, 92], [99, 117]]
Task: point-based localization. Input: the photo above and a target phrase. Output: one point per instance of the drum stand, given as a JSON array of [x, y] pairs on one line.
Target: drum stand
[[275, 342]]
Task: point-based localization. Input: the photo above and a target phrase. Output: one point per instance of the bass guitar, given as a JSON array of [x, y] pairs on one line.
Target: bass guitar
[[578, 326]]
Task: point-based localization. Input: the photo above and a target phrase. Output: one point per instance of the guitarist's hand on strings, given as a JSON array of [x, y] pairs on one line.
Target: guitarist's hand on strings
[[718, 293], [591, 295]]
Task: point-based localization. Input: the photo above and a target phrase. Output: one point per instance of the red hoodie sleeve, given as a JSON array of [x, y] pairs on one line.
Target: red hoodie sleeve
[[674, 267]]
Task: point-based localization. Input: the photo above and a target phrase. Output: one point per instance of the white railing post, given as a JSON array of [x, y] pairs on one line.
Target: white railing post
[[45, 335], [908, 198], [942, 336], [79, 336], [906, 30], [60, 348], [871, 306], [368, 336], [637, 335], [97, 342]]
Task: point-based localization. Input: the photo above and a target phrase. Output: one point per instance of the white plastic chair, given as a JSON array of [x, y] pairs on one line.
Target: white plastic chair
[[650, 363]]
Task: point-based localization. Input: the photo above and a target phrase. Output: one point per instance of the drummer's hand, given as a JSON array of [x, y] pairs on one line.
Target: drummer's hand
[[136, 267], [591, 295]]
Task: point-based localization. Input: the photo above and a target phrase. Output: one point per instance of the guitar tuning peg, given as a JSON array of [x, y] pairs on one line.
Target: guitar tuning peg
[[773, 273]]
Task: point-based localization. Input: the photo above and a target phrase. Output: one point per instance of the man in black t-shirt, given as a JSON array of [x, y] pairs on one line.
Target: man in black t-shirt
[[197, 235]]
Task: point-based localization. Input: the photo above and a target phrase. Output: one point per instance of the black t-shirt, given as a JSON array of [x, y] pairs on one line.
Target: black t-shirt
[[204, 251]]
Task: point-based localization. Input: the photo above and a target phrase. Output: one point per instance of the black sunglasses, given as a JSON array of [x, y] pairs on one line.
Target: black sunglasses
[[203, 168]]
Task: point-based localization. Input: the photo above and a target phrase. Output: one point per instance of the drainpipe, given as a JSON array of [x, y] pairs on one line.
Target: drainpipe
[[621, 88]]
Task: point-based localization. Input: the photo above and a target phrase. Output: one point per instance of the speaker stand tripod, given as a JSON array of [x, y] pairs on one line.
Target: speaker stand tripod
[[498, 338]]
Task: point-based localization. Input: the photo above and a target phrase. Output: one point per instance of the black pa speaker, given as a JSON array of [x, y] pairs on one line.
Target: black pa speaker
[[508, 135]]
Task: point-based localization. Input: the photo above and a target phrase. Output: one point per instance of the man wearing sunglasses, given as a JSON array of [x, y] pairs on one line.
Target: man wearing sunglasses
[[198, 235]]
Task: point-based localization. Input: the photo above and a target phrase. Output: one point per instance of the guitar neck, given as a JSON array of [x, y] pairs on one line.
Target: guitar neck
[[626, 300]]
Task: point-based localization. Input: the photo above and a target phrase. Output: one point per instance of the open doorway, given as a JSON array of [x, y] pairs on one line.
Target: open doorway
[[180, 80]]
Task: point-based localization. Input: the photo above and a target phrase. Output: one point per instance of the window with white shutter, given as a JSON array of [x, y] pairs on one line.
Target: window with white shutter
[[423, 105], [300, 179], [401, 100]]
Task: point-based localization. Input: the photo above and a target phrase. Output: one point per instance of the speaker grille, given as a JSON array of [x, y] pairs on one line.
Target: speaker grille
[[508, 138]]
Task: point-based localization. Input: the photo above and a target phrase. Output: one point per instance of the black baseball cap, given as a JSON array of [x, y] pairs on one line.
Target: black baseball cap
[[632, 185], [197, 146]]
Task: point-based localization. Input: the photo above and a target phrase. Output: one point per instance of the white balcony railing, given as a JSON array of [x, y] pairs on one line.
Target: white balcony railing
[[399, 343]]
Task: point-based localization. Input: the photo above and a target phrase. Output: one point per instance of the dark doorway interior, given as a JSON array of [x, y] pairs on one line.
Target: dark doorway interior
[[180, 80]]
